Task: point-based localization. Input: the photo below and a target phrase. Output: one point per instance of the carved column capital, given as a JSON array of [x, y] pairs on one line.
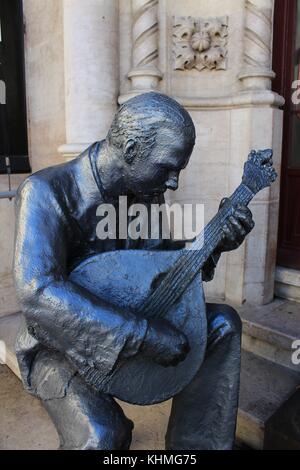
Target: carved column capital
[[257, 71]]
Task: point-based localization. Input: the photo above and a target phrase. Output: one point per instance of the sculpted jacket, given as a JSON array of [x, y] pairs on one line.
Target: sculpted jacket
[[55, 229]]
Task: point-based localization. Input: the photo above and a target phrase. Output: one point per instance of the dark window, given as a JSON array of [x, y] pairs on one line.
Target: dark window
[[13, 128]]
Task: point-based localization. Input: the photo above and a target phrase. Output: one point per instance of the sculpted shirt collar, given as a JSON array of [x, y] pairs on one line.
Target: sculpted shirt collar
[[93, 154]]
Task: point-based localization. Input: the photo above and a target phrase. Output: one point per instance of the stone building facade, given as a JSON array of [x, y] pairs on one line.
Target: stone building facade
[[84, 57]]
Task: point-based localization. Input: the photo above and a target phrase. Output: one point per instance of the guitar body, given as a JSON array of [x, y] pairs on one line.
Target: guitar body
[[125, 279]]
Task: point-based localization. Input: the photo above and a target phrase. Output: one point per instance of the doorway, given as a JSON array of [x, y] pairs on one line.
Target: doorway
[[286, 64]]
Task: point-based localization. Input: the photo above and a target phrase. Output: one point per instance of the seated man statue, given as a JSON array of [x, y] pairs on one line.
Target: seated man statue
[[65, 327]]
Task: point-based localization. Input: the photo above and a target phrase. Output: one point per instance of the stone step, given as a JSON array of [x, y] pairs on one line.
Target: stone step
[[264, 387], [269, 331], [287, 283]]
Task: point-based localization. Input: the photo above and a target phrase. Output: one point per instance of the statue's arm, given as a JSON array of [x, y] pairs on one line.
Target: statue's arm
[[59, 313], [208, 270]]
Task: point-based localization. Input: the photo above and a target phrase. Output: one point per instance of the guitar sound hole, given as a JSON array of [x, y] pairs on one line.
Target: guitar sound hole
[[157, 280]]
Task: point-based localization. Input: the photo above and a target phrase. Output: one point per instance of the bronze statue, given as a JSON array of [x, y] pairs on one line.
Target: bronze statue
[[126, 318]]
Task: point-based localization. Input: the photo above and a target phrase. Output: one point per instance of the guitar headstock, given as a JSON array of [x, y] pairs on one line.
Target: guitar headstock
[[259, 172]]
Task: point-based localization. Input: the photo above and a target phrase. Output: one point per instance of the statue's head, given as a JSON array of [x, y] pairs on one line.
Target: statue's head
[[154, 136]]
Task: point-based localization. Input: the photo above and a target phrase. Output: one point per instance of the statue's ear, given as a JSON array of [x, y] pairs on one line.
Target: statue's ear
[[130, 151]]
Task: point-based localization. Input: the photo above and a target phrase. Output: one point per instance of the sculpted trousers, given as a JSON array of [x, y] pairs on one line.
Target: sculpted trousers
[[203, 415]]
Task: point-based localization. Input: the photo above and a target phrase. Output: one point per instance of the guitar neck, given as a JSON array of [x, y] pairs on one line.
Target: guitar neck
[[190, 261]]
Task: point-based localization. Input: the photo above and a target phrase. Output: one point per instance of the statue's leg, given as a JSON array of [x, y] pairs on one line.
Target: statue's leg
[[204, 414], [84, 418]]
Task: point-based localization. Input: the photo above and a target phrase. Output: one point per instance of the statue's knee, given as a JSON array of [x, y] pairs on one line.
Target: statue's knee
[[232, 319], [223, 320]]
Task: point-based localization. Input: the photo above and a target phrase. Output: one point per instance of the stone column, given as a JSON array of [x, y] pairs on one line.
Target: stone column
[[250, 270], [144, 75], [234, 111], [257, 71], [91, 71]]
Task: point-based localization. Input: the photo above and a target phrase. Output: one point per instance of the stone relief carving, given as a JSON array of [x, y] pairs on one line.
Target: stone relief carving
[[200, 43]]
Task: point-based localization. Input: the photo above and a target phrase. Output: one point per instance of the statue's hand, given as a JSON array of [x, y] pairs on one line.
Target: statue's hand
[[164, 344], [236, 228]]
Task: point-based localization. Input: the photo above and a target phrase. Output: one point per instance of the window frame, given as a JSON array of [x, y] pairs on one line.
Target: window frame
[[13, 115]]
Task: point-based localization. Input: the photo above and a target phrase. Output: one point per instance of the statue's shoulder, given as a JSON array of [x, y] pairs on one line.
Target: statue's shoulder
[[47, 181]]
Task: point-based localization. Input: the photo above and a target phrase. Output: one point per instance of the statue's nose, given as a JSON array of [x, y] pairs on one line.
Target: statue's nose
[[172, 183]]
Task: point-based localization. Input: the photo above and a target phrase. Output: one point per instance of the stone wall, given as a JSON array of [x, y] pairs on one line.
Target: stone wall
[[8, 302], [91, 66], [44, 71]]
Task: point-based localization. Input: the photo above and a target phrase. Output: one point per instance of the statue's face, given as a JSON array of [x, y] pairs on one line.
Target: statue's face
[[153, 174]]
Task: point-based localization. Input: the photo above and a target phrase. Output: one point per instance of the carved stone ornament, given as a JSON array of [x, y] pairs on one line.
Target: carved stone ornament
[[200, 43]]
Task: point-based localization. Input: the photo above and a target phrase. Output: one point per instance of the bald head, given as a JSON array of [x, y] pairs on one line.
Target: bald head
[[140, 118]]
